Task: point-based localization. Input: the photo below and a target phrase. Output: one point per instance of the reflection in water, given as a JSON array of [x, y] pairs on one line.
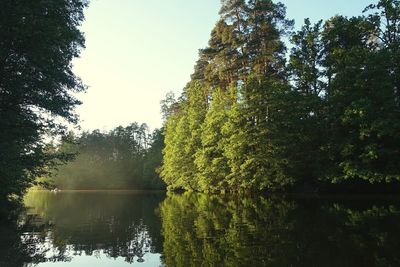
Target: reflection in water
[[213, 231], [69, 226], [125, 229]]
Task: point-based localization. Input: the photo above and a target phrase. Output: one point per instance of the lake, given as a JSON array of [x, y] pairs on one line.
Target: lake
[[132, 228]]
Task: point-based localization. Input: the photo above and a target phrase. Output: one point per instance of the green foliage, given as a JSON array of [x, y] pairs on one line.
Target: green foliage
[[176, 158], [182, 138], [39, 39], [254, 122], [252, 147], [217, 139], [363, 96], [210, 158], [126, 157], [227, 230]]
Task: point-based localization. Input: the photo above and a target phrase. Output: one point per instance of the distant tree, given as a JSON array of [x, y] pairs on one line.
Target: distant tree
[[38, 40], [153, 161], [123, 158]]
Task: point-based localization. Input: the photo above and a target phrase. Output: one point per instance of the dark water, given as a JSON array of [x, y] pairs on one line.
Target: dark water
[[105, 228]]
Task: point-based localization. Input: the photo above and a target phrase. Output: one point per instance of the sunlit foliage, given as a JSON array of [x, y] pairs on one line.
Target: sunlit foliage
[[257, 117]]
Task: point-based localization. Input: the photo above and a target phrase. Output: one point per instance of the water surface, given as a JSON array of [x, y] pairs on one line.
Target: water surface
[[127, 228]]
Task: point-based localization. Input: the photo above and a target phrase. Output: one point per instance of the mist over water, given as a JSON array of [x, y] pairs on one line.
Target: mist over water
[[123, 158], [125, 228]]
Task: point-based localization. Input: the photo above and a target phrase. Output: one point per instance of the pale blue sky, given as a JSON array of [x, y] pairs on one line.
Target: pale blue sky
[[138, 50]]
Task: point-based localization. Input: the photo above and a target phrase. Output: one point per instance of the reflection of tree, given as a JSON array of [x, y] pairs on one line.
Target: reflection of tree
[[24, 240], [201, 230], [213, 231], [117, 224], [375, 229]]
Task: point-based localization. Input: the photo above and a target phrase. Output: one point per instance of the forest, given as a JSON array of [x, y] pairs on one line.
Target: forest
[[123, 158], [268, 108]]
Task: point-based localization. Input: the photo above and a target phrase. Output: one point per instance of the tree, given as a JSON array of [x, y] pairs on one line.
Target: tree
[[38, 40], [362, 53], [228, 148], [182, 139], [210, 158], [153, 160], [330, 114], [254, 145], [302, 109], [175, 158], [123, 158], [267, 24], [250, 148], [217, 65]]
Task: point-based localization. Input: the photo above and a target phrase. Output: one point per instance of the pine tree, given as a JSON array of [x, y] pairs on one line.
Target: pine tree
[[183, 139], [266, 24], [253, 149], [210, 159], [250, 147]]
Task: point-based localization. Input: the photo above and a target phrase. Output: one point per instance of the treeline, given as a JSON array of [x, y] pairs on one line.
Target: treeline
[[123, 158], [256, 116]]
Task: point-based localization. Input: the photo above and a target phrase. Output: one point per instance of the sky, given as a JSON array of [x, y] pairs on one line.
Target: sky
[[138, 50]]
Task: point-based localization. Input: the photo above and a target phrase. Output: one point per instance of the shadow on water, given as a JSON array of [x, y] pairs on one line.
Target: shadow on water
[[149, 229]]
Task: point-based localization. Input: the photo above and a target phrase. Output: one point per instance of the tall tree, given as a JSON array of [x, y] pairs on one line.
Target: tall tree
[[267, 24], [217, 64], [250, 147], [245, 45], [253, 147], [183, 139], [328, 115], [210, 158], [303, 108], [363, 98], [38, 40]]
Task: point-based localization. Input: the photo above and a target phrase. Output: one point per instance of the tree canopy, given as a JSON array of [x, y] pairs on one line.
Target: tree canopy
[[256, 116], [38, 40], [123, 158]]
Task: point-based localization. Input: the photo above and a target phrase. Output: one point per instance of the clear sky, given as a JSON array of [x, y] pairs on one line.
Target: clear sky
[[138, 50]]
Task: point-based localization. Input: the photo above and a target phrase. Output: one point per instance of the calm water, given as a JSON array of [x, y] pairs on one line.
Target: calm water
[[106, 228]]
